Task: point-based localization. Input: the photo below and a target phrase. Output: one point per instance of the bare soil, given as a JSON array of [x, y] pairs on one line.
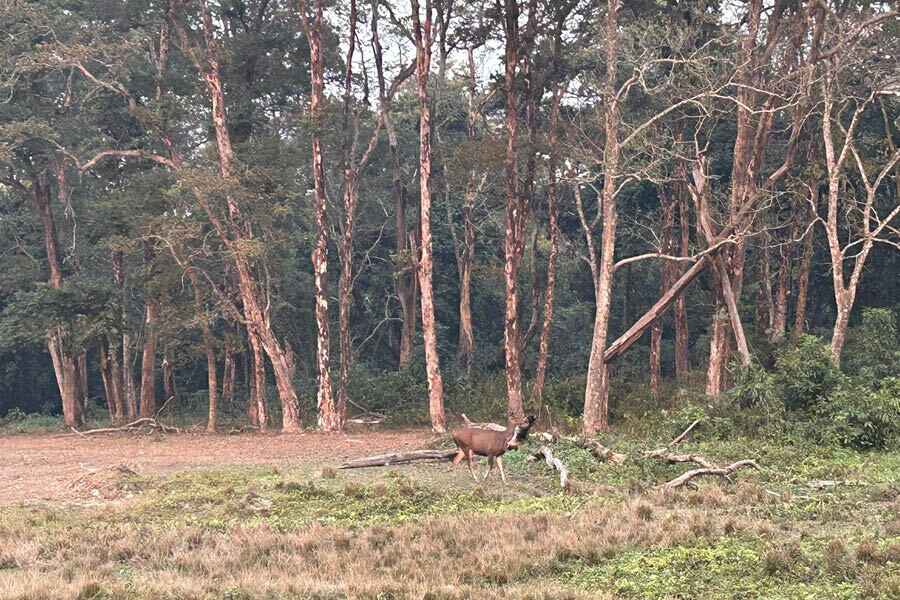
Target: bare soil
[[42, 467]]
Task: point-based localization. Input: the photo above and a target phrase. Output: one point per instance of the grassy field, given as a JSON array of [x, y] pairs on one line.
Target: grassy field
[[814, 523]]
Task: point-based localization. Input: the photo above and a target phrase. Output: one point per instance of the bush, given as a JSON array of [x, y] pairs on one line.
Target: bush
[[804, 373], [859, 417], [872, 349], [754, 386]]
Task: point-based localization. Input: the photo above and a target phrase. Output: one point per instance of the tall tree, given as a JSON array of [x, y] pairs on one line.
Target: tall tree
[[422, 32]]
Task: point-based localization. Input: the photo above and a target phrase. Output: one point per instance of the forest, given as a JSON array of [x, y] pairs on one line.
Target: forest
[[362, 222]]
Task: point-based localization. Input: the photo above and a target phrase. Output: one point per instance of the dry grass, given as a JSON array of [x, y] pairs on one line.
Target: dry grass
[[448, 557]]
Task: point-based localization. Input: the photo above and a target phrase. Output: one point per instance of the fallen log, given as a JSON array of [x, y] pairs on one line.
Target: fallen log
[[133, 426], [603, 453], [399, 458], [672, 458], [491, 426], [724, 472], [553, 463]]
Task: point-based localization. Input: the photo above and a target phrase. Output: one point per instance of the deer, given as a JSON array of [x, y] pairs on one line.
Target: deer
[[472, 440]]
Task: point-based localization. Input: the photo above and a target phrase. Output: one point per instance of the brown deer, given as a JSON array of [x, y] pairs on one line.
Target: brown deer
[[472, 440]]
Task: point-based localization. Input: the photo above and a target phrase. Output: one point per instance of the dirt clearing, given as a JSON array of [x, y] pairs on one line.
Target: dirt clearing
[[41, 467]]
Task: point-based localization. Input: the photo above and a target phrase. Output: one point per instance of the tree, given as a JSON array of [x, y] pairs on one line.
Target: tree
[[422, 30]]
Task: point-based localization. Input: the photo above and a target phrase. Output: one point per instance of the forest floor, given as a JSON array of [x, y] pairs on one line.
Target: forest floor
[[269, 516]]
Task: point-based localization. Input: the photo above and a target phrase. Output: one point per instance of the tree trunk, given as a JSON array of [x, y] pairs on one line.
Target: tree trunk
[[212, 384], [148, 360], [234, 231], [329, 420], [515, 221], [803, 283], [423, 38], [682, 354], [170, 392], [65, 364], [108, 386], [665, 282], [779, 317], [258, 411], [718, 349], [540, 375], [229, 375], [596, 396]]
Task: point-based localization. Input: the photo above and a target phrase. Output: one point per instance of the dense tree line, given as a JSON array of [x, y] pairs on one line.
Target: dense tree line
[[207, 201]]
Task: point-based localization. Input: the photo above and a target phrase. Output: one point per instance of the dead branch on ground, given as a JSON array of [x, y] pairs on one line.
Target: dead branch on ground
[[399, 458], [553, 463], [724, 472], [143, 422]]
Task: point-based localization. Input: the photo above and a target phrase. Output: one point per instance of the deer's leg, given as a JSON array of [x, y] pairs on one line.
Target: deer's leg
[[491, 462], [469, 455], [459, 456], [500, 464]]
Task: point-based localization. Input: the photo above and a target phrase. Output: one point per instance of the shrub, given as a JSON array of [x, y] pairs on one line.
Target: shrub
[[872, 349], [754, 386], [859, 417], [804, 373]]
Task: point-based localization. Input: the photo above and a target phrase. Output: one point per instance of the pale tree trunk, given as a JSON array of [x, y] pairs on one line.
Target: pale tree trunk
[[106, 378], [234, 230], [423, 37], [259, 414], [229, 373], [540, 375], [170, 393], [65, 364], [665, 282], [329, 419], [148, 360], [765, 307], [128, 392], [516, 219], [682, 334], [803, 276], [212, 384], [465, 255], [783, 285], [871, 224], [596, 395]]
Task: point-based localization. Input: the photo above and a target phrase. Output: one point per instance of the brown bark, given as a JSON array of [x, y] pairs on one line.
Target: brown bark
[[596, 396], [106, 378], [803, 271], [516, 219], [423, 37], [540, 375], [148, 360], [405, 278], [259, 414], [229, 375], [783, 283], [233, 230], [329, 419], [682, 355], [64, 360]]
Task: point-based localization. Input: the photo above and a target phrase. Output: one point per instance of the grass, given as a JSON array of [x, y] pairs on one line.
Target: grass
[[425, 532]]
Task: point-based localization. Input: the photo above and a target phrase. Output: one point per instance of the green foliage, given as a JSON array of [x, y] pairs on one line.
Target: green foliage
[[804, 373], [857, 416], [754, 386], [873, 348]]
